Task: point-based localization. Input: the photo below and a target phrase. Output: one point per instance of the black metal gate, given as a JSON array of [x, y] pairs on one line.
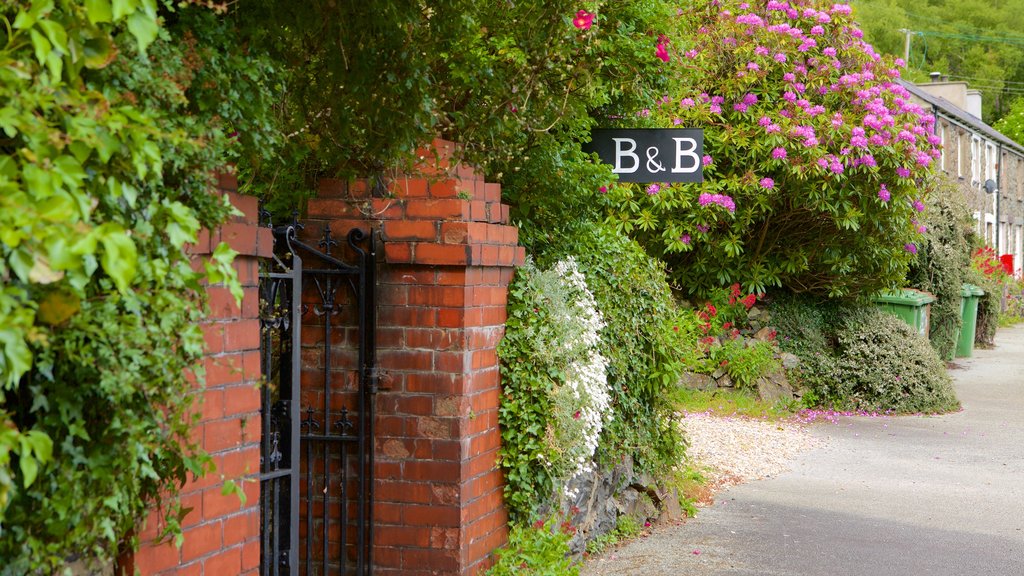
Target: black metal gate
[[318, 321]]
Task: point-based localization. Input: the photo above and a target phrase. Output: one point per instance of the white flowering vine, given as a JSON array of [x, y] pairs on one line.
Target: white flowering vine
[[582, 404]]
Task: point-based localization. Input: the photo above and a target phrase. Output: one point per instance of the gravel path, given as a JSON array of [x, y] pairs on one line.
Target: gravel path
[[737, 450], [728, 451]]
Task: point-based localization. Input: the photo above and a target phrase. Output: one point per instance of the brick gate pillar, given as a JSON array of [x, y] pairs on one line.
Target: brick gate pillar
[[448, 258]]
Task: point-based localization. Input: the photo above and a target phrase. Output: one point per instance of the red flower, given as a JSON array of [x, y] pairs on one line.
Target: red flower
[[727, 325], [749, 301], [712, 310], [662, 53], [583, 20], [735, 290], [702, 315]]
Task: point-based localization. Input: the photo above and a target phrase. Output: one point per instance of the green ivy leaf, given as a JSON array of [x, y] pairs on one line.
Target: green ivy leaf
[[16, 359], [119, 257], [144, 28], [99, 11]]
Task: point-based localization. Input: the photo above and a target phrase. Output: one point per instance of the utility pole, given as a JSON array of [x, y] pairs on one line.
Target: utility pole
[[906, 44]]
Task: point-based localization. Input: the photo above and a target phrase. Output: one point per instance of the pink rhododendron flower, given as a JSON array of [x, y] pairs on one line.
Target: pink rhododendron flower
[[767, 183], [583, 20], [779, 153], [653, 189], [902, 172], [685, 239], [910, 247], [719, 199], [883, 194], [707, 160], [918, 205], [686, 103]]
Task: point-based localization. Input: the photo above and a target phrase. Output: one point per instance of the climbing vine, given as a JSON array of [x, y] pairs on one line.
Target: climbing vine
[[108, 139]]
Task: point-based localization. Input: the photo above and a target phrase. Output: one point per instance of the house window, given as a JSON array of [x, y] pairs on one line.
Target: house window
[[991, 161], [976, 161], [959, 155], [942, 159]]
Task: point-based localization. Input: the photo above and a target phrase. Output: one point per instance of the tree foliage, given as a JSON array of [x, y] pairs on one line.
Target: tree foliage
[[514, 84], [813, 154], [110, 128], [977, 41]]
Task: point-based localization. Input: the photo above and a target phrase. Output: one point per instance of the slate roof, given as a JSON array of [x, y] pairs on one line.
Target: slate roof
[[947, 108]]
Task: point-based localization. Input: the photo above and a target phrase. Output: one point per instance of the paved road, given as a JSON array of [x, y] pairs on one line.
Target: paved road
[[886, 496]]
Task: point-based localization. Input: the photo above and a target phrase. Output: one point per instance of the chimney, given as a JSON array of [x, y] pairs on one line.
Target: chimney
[[935, 76], [974, 103]]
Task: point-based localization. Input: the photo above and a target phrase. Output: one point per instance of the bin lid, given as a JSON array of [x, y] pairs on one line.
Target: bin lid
[[906, 297], [968, 290]]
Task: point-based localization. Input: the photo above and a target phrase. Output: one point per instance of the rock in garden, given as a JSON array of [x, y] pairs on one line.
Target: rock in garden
[[774, 387]]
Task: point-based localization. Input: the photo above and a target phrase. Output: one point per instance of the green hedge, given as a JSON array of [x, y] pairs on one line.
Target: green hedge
[[943, 261], [641, 340], [856, 357]]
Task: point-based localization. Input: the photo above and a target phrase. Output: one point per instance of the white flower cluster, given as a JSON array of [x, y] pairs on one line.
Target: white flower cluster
[[583, 402]]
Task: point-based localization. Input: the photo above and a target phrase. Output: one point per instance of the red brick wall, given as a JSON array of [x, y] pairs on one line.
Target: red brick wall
[[449, 256], [221, 534]]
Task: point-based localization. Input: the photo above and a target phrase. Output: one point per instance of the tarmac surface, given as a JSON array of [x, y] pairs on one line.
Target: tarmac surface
[[909, 495]]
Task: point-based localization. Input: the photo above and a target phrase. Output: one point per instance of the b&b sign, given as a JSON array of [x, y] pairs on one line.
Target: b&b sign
[[651, 154]]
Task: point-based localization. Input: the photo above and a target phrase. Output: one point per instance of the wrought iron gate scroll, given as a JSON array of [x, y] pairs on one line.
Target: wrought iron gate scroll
[[317, 441]]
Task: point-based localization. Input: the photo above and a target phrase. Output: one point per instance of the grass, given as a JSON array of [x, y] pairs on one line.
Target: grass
[[732, 403]]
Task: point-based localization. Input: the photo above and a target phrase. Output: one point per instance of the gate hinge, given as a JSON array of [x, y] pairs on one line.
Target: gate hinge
[[372, 375], [285, 560], [282, 409]]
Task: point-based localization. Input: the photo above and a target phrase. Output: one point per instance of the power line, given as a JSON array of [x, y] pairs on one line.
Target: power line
[[990, 80], [1014, 40]]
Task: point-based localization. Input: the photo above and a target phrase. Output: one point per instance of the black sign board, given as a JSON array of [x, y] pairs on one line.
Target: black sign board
[[651, 154]]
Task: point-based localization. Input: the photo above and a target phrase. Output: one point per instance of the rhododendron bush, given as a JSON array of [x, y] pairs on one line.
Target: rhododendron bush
[[816, 160]]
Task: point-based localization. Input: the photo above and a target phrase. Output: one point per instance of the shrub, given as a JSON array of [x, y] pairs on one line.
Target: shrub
[[943, 260], [886, 365], [721, 321], [550, 339], [641, 338], [540, 549], [812, 154], [644, 338], [987, 272], [855, 357]]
